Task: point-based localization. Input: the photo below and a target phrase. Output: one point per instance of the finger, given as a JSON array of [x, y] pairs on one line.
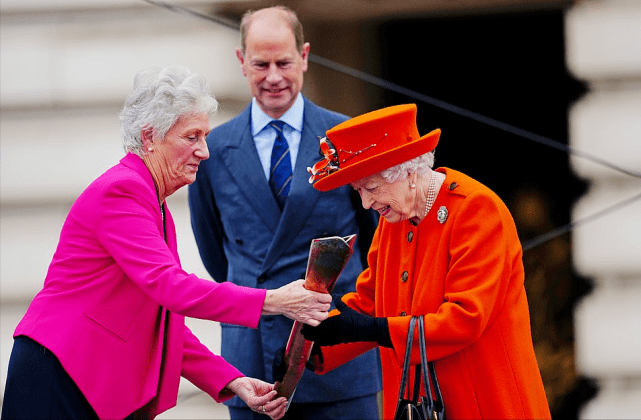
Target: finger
[[321, 316], [324, 298], [313, 317], [275, 403], [262, 388], [314, 307], [324, 307], [276, 409], [279, 413], [262, 400], [312, 322]]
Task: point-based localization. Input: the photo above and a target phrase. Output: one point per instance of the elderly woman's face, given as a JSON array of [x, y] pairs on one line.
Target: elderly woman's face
[[394, 201], [182, 150]]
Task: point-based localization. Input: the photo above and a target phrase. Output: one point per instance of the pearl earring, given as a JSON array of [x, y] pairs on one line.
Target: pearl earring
[[150, 149], [412, 186]]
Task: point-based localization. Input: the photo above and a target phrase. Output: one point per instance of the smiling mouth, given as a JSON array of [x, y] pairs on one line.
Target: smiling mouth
[[384, 211]]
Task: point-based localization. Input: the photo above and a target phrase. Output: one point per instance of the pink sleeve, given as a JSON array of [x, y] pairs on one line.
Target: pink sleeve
[[207, 371]]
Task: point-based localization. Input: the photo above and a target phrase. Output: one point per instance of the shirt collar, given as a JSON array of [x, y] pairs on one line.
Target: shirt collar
[[293, 117]]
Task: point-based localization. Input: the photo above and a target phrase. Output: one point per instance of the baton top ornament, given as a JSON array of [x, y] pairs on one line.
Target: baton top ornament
[[327, 259]]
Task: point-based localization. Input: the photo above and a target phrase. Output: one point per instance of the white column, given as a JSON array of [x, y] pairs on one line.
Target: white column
[[66, 67], [603, 42]]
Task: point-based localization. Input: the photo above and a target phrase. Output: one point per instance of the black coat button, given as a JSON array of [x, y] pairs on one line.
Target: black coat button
[[410, 236], [239, 241], [453, 185], [403, 313], [262, 278], [405, 276]]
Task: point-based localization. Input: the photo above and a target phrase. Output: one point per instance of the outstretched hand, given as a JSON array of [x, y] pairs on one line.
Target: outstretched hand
[[347, 327], [298, 303], [259, 396]]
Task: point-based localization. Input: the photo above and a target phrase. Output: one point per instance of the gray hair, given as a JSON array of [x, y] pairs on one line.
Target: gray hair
[[419, 164], [159, 97]]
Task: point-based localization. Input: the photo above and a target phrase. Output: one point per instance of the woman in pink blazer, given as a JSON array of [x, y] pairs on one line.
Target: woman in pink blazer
[[105, 337]]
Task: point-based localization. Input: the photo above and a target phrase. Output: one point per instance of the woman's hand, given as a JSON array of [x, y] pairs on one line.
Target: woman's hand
[[349, 326], [259, 396], [298, 303]]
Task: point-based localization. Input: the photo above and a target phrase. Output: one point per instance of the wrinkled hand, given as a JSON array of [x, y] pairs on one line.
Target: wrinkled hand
[[298, 303], [279, 366], [347, 327], [259, 396]]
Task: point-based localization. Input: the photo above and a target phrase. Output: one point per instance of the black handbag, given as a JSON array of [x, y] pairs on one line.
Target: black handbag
[[424, 407]]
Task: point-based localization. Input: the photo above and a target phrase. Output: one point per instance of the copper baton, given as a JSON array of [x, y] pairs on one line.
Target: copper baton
[[327, 259]]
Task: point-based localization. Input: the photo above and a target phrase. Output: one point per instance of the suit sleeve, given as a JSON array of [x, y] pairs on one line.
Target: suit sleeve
[[485, 254], [205, 222], [128, 229]]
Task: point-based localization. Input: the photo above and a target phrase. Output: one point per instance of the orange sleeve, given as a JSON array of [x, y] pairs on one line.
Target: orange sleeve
[[362, 301]]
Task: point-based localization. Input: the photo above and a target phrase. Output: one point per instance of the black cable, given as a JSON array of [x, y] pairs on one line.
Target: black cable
[[377, 81], [180, 9], [467, 113], [539, 240], [419, 96]]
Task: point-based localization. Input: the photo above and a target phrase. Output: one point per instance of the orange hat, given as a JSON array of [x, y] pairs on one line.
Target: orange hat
[[368, 144]]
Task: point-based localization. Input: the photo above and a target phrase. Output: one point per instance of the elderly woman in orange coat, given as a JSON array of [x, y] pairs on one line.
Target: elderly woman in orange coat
[[447, 249]]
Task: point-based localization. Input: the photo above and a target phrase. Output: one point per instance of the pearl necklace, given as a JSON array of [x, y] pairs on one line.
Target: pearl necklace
[[431, 194]]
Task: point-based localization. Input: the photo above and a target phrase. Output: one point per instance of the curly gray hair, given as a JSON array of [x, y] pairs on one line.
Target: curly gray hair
[[159, 97], [419, 164]]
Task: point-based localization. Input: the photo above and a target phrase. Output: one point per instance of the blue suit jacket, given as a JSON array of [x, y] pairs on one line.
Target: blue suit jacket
[[243, 238]]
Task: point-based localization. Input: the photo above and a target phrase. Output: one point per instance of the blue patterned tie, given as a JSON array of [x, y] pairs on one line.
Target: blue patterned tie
[[281, 170]]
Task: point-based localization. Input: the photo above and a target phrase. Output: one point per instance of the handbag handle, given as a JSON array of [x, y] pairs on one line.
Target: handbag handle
[[423, 366], [438, 408], [406, 361]]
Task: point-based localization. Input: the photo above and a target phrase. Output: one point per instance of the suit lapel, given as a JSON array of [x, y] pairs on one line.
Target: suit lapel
[[244, 164], [302, 195]]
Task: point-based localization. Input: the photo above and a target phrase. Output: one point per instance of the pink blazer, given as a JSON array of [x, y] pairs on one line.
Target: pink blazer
[[114, 300]]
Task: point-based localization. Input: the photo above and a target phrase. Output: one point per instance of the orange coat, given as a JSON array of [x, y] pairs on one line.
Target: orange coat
[[466, 277]]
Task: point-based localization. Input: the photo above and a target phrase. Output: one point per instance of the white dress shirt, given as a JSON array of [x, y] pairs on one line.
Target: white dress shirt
[[264, 135]]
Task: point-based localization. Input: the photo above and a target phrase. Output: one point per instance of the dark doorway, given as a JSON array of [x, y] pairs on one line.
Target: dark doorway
[[510, 68]]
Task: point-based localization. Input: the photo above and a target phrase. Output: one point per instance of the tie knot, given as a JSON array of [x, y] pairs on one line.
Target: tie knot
[[278, 125]]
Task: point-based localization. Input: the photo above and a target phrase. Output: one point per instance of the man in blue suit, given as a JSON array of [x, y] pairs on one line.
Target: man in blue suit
[[252, 236]]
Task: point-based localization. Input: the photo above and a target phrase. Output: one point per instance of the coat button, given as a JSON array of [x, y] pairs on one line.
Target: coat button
[[410, 236], [403, 313], [453, 185], [239, 241], [405, 276], [262, 278]]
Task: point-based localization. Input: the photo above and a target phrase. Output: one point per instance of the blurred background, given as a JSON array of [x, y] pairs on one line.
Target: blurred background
[[494, 75]]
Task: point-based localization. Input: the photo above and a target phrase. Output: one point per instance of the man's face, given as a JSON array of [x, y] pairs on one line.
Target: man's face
[[272, 65]]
